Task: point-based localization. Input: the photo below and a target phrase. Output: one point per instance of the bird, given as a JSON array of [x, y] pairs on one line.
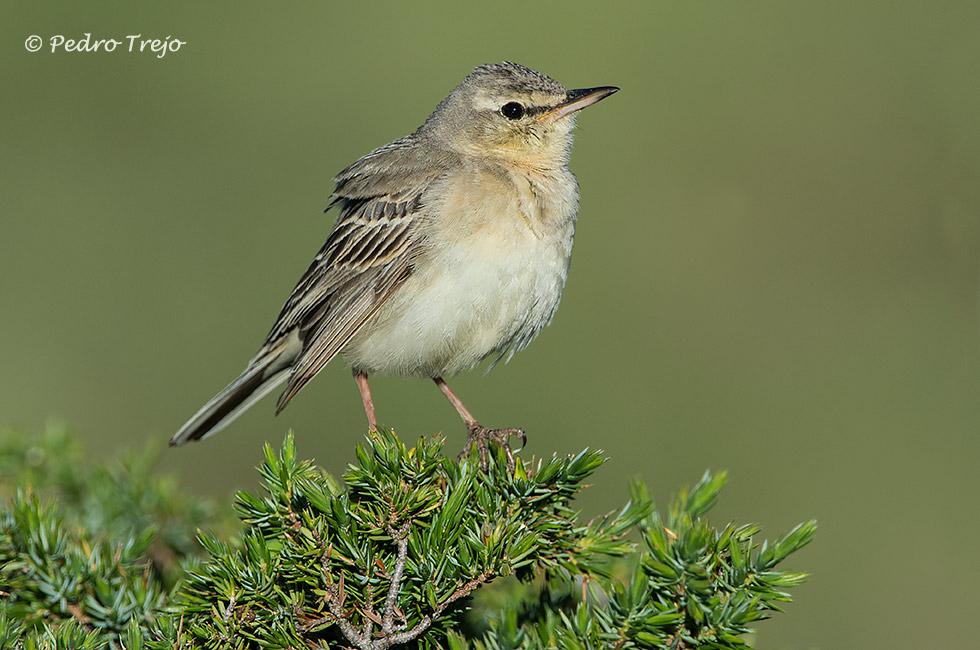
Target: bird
[[451, 246]]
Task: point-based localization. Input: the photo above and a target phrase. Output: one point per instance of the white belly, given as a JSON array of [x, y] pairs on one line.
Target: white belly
[[489, 281]]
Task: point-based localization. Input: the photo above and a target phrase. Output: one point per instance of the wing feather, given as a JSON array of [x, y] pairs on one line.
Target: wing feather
[[333, 332], [366, 257]]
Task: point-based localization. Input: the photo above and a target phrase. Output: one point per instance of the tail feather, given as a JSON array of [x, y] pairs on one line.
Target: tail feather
[[261, 377]]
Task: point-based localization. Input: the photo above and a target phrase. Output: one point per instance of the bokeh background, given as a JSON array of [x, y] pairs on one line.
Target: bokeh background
[[776, 269]]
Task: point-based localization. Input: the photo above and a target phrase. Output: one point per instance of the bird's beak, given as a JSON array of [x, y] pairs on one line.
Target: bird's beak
[[577, 100]]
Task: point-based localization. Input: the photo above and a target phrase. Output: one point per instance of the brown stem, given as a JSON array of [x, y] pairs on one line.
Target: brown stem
[[391, 633]]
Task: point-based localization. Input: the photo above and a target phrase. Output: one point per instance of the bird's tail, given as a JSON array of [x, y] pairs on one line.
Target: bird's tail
[[266, 371]]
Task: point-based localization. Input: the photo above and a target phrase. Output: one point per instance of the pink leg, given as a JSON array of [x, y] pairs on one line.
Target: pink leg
[[457, 403], [365, 389], [479, 435]]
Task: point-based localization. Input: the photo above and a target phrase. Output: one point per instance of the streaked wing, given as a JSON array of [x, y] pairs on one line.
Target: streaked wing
[[366, 257]]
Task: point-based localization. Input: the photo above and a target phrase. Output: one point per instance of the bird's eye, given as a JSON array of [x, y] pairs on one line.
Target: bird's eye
[[512, 111]]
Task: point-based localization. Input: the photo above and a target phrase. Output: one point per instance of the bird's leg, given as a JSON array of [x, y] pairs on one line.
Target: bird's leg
[[479, 435], [365, 389]]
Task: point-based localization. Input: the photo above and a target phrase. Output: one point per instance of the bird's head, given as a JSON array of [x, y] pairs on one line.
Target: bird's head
[[511, 112]]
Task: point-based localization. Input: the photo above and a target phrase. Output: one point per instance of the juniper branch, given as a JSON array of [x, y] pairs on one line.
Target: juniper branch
[[388, 559]]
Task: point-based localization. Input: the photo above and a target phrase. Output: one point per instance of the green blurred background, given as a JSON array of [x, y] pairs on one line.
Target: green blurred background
[[776, 269]]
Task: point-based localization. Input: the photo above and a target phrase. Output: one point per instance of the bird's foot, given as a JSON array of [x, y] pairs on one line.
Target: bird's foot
[[482, 437]]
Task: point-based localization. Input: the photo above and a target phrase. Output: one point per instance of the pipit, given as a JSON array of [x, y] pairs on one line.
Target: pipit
[[452, 246]]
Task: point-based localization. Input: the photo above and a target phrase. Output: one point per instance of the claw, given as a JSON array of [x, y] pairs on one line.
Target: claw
[[482, 437]]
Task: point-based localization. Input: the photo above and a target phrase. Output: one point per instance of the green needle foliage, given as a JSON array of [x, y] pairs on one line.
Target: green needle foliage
[[89, 554], [395, 555], [413, 550]]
